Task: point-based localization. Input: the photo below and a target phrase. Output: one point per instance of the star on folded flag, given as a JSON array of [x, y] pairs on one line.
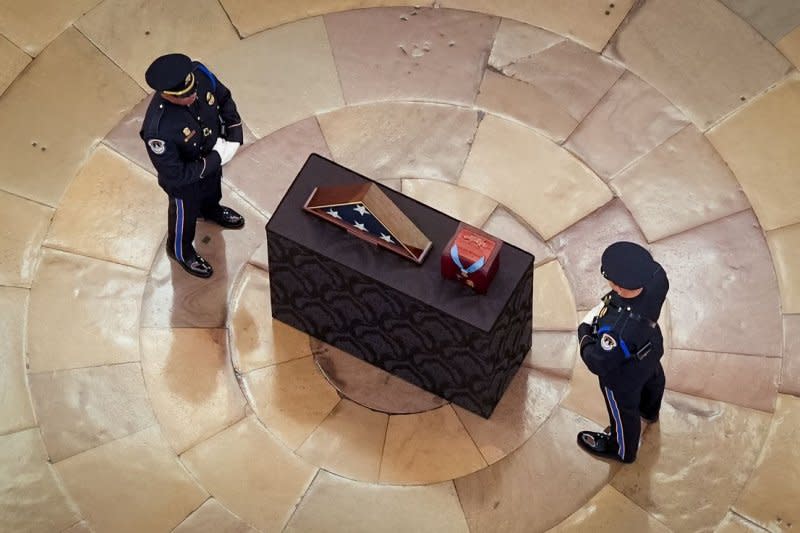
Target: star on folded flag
[[360, 226], [387, 238], [360, 209], [334, 214]]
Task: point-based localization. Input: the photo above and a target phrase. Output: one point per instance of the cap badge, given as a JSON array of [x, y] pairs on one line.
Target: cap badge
[[210, 98], [188, 79], [157, 146]]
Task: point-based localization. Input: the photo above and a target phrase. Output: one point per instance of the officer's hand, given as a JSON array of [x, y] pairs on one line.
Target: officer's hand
[[220, 147], [231, 147]]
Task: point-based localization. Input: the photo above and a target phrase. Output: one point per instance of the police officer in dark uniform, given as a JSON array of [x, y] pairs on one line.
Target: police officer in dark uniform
[[191, 128], [621, 342]]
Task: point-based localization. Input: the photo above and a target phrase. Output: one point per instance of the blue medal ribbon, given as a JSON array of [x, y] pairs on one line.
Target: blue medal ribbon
[[466, 271]]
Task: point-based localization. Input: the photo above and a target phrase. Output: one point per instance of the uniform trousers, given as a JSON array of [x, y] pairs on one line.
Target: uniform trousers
[[200, 199]]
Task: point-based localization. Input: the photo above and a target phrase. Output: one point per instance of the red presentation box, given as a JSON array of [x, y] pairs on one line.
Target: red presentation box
[[472, 257]]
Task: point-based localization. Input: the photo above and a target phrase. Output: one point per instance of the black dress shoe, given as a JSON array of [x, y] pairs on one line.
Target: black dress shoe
[[228, 218], [601, 444], [196, 266]]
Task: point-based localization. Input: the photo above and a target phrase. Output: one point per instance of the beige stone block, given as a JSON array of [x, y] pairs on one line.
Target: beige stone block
[[131, 485], [789, 45], [80, 527], [268, 102], [44, 145], [772, 18], [790, 368], [12, 62], [251, 474], [506, 226], [349, 442], [83, 312], [192, 385], [553, 353], [134, 34], [427, 448], [291, 399], [759, 146], [33, 25], [610, 512], [770, 495], [84, 408], [213, 517], [553, 303], [784, 245], [15, 409], [703, 57], [23, 225], [559, 192], [31, 496], [584, 396], [526, 103], [516, 40], [590, 22], [733, 523], [460, 203], [414, 140], [700, 451], [256, 339], [113, 210]]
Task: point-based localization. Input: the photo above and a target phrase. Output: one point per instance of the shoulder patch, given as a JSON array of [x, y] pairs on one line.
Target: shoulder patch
[[607, 342], [157, 146]]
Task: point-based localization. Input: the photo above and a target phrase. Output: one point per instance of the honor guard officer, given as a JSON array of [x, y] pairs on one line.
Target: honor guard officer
[[191, 129], [621, 342]]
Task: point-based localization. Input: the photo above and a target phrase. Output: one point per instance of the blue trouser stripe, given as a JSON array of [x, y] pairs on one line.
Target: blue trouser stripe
[[179, 229], [617, 422]]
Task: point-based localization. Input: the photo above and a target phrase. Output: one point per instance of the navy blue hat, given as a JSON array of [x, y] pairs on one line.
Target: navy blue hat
[[171, 74], [628, 265]]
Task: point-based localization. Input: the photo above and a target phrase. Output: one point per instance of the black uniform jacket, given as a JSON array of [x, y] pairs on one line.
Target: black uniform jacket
[[626, 327], [180, 138]]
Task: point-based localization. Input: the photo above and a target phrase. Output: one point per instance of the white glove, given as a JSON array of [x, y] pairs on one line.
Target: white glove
[[592, 313], [225, 149]]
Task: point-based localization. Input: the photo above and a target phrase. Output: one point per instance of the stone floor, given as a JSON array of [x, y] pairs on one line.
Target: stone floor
[[138, 399]]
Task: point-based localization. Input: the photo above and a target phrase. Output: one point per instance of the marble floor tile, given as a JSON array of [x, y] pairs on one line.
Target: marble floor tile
[[260, 257], [682, 184], [307, 83], [462, 204], [591, 23], [610, 512], [553, 353], [427, 448], [349, 442], [790, 46], [772, 492], [333, 503], [558, 193], [213, 517], [256, 339], [694, 462], [133, 34], [557, 475], [410, 54], [124, 136], [580, 248], [24, 225], [516, 40], [525, 405], [574, 76], [113, 210], [44, 145], [12, 62], [726, 291], [370, 386], [251, 474], [263, 172], [80, 527], [757, 144], [191, 383], [784, 244], [746, 380], [174, 298], [16, 412], [790, 369], [414, 140], [584, 396], [291, 399], [553, 302], [700, 55], [83, 312], [629, 121], [505, 225], [32, 498], [525, 103], [733, 523], [772, 18], [251, 16], [84, 408], [34, 25], [132, 484]]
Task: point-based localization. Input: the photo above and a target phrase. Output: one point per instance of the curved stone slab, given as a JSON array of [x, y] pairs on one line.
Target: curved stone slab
[[505, 225], [461, 204], [213, 517], [790, 370], [32, 26], [784, 243], [553, 302], [25, 225], [772, 18], [15, 410], [12, 62], [609, 512], [516, 40]]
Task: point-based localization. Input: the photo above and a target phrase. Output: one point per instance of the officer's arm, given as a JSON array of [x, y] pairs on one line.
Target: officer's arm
[[173, 171], [229, 115], [599, 361]]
